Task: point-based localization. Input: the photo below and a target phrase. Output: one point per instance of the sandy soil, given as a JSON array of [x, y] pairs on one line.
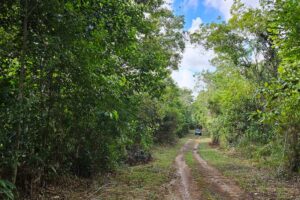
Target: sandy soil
[[184, 186], [226, 188]]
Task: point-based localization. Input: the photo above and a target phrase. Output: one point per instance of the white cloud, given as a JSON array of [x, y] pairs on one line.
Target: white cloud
[[168, 4], [184, 78], [224, 6], [221, 5], [187, 4], [195, 24], [195, 59], [252, 3]]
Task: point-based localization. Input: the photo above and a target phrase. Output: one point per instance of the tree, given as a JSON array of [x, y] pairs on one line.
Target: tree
[[253, 96], [75, 77]]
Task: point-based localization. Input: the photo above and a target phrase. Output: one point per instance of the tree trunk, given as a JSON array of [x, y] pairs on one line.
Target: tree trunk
[[295, 164], [21, 89], [293, 149]]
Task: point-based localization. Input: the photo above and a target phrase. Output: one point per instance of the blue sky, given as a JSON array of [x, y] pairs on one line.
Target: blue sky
[[195, 57], [193, 9]]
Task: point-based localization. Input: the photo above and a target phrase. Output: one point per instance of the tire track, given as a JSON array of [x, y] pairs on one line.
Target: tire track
[[184, 186], [185, 183], [216, 181]]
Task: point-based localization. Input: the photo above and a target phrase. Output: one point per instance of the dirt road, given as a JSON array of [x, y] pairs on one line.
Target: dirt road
[[185, 187]]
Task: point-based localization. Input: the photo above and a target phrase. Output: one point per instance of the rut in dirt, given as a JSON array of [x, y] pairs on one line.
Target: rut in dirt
[[218, 183], [215, 182], [187, 186]]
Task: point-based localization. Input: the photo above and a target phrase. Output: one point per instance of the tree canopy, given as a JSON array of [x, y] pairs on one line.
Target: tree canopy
[[84, 83], [252, 98]]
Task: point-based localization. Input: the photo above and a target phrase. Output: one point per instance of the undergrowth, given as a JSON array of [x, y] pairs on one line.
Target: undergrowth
[[259, 182], [144, 181]]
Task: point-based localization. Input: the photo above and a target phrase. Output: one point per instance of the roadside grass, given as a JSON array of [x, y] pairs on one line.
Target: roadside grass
[[144, 181], [260, 183]]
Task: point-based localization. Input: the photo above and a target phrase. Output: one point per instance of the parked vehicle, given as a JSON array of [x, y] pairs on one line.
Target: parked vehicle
[[198, 131]]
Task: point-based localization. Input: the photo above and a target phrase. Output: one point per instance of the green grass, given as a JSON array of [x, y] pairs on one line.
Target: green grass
[[206, 193], [144, 181], [259, 182], [149, 181], [189, 159]]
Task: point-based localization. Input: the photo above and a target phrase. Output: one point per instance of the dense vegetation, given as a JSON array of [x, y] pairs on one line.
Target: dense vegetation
[[85, 86], [252, 99]]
